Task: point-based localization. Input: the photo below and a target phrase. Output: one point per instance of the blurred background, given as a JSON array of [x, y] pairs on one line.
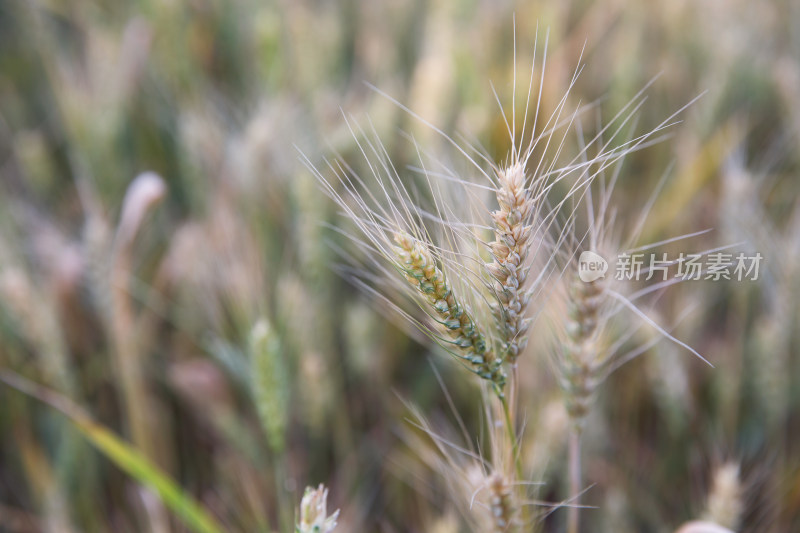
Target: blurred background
[[166, 269]]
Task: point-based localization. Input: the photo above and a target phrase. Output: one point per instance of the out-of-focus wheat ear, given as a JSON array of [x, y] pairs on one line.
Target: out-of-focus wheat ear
[[501, 504], [581, 365], [724, 505], [270, 386], [512, 230], [314, 516], [142, 406], [581, 369], [422, 272]]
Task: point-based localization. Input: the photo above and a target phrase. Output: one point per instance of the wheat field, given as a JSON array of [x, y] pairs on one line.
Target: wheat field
[[429, 266]]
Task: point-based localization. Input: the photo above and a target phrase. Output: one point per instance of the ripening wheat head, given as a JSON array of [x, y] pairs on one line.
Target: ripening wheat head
[[598, 318], [468, 242], [419, 256], [478, 475]]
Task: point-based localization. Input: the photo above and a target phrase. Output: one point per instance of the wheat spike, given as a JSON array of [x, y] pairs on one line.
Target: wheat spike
[[421, 271], [725, 499], [314, 516], [513, 232], [581, 362], [270, 383], [501, 504]]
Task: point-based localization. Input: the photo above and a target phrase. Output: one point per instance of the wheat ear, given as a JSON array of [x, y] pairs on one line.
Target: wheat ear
[[421, 271], [724, 505], [501, 504], [513, 231], [581, 364], [581, 368], [314, 516], [270, 383]]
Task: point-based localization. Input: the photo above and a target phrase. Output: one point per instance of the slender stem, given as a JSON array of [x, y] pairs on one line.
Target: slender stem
[[286, 506], [512, 436], [573, 518]]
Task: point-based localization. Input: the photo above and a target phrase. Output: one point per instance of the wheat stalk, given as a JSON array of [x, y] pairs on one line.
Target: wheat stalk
[[441, 253], [591, 345]]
